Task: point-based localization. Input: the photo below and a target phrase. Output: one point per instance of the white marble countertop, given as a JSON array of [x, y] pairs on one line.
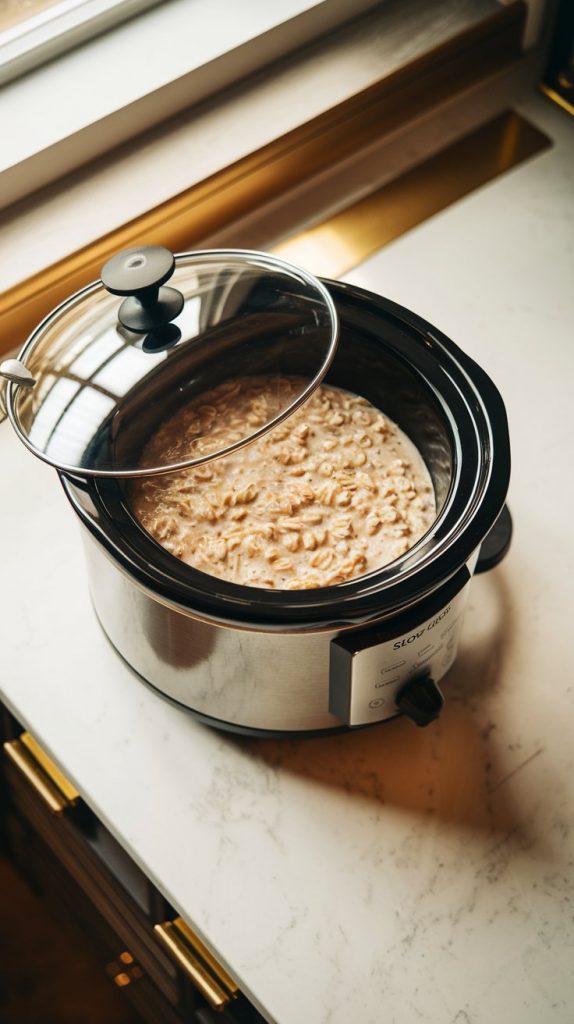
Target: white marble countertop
[[396, 874]]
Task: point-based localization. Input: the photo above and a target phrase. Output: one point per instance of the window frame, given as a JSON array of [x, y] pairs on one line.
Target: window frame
[[123, 82], [42, 37]]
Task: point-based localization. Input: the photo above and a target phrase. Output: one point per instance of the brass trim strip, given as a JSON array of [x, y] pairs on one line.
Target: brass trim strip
[[183, 221], [186, 949], [43, 786], [337, 245], [559, 100], [68, 791]]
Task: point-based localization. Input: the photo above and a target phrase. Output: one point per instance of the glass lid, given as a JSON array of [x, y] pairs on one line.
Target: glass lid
[[95, 387]]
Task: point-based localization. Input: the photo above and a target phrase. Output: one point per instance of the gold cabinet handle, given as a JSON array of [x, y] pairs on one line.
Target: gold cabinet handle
[[189, 952], [40, 771]]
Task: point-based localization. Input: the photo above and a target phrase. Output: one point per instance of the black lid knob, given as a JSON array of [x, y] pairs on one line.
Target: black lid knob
[[420, 699], [140, 273]]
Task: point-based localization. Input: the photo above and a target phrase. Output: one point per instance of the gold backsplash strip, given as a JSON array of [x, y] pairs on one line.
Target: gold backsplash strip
[[183, 221], [335, 246]]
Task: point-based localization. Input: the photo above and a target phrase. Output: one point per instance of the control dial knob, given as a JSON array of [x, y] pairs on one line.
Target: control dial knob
[[420, 699]]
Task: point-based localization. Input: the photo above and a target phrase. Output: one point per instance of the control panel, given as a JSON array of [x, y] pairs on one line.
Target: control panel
[[371, 669]]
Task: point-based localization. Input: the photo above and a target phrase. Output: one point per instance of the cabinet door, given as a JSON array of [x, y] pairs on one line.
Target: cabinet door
[[65, 849]]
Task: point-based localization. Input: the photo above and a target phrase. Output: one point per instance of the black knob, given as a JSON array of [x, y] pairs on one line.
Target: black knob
[[420, 699], [140, 274]]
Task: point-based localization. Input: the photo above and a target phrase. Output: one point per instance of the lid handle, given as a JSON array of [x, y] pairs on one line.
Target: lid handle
[[140, 274], [15, 371], [12, 370]]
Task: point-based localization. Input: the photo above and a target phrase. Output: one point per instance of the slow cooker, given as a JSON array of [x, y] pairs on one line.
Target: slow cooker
[[99, 374]]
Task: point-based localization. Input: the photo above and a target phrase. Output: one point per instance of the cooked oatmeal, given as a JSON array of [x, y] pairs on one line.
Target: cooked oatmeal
[[335, 491]]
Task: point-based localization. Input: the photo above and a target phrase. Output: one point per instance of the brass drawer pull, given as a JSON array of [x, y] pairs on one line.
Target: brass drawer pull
[[40, 771], [189, 952]]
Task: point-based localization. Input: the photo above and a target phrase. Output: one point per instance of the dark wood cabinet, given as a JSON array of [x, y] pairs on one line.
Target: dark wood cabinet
[[71, 858]]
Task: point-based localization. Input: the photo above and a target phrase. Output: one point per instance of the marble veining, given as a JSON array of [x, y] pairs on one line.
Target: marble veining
[[395, 874]]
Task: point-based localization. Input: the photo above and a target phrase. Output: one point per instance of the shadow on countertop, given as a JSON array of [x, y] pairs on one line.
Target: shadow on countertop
[[453, 769]]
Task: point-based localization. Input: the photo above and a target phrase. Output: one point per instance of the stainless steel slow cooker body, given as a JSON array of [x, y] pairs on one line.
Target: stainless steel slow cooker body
[[305, 662]]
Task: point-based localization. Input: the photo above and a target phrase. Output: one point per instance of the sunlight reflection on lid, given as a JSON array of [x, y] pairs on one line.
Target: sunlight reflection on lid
[[85, 415]]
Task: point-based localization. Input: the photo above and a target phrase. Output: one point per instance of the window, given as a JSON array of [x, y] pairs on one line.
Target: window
[[124, 81], [37, 31]]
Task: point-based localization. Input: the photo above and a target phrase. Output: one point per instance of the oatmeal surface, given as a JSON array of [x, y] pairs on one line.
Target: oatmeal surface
[[332, 493]]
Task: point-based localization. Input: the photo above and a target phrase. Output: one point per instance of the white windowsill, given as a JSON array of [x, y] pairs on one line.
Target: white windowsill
[[96, 200], [123, 82], [41, 35]]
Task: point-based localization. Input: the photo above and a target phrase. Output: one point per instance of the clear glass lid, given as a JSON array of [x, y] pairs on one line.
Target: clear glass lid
[[101, 376]]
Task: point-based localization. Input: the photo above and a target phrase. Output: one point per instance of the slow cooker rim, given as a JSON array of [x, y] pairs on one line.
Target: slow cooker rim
[[218, 613], [342, 604]]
